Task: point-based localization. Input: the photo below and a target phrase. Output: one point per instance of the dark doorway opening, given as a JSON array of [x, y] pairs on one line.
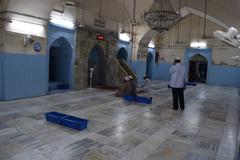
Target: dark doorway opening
[[97, 62], [122, 54], [198, 69], [149, 67], [60, 60]]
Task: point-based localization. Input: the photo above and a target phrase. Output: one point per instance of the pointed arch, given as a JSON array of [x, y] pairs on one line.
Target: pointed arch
[[122, 54], [60, 62], [97, 61]]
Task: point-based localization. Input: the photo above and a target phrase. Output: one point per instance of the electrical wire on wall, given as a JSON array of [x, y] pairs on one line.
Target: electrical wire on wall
[[82, 14], [178, 25], [123, 16], [205, 20], [100, 9], [190, 28], [169, 39], [133, 33]]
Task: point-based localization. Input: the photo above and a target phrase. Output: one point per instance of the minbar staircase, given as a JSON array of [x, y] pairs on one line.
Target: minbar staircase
[[126, 69]]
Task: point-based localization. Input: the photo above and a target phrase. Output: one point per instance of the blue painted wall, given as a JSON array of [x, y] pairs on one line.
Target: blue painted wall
[[161, 71], [224, 75], [23, 75], [55, 32], [216, 75], [139, 68]]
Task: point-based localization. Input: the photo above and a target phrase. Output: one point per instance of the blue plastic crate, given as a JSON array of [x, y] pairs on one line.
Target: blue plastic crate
[[146, 100], [129, 98], [55, 117], [139, 99], [75, 122]]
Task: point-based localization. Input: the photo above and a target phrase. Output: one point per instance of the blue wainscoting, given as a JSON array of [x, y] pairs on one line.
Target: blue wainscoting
[[217, 74], [23, 75], [224, 75], [139, 68], [161, 71]]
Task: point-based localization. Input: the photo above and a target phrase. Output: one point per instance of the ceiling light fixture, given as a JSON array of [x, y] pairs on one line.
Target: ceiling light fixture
[[62, 22], [69, 4], [25, 28], [124, 37], [201, 44], [161, 16], [151, 44]]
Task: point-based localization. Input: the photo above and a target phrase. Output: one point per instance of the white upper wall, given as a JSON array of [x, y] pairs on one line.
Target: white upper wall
[[222, 12], [225, 11]]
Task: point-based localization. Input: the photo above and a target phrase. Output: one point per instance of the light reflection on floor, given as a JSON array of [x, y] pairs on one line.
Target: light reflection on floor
[[120, 130]]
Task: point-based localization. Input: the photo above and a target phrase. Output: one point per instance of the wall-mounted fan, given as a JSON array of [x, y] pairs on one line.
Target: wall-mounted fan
[[231, 37]]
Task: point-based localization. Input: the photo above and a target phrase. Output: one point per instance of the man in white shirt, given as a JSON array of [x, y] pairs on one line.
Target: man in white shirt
[[145, 86], [177, 83]]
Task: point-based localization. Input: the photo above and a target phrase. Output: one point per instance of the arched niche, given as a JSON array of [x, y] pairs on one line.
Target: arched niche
[[96, 63], [149, 64], [198, 69], [60, 64], [197, 54], [122, 54]]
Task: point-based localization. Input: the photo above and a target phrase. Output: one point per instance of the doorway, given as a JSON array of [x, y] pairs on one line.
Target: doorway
[[198, 66], [149, 67], [60, 60], [122, 54], [96, 62]]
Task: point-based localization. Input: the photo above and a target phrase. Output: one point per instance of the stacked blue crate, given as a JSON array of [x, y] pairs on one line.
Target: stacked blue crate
[[75, 122], [67, 120], [55, 117], [140, 99]]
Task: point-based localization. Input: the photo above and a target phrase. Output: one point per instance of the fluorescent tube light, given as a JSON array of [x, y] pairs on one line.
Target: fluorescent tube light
[[25, 28], [198, 45], [151, 44], [124, 37], [62, 22]]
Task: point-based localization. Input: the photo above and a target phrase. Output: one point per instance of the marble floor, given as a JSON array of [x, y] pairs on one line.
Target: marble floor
[[119, 130]]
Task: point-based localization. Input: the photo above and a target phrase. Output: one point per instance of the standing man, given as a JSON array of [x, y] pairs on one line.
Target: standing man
[[177, 83]]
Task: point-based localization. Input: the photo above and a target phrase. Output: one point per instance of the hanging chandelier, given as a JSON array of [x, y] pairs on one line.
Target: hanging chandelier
[[161, 16]]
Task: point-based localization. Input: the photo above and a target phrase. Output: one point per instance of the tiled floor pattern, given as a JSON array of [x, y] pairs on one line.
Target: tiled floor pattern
[[119, 130]]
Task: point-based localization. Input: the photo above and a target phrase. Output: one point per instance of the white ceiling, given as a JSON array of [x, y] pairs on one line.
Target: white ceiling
[[226, 11], [222, 10]]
